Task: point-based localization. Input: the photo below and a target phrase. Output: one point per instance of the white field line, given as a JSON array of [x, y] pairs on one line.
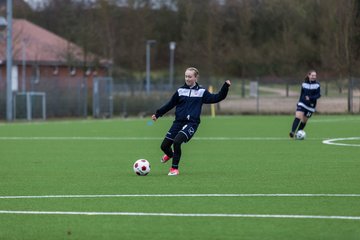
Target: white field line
[[69, 122], [324, 120], [106, 121], [145, 138], [182, 195], [80, 138], [324, 141], [180, 214], [335, 141]]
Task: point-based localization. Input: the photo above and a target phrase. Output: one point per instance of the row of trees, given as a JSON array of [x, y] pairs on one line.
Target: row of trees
[[223, 38]]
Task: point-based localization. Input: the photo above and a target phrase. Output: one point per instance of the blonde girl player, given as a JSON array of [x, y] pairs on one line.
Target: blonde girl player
[[188, 100], [306, 106]]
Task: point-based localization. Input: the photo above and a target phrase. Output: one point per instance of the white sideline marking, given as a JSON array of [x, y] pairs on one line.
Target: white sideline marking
[[144, 138], [334, 141], [180, 214], [347, 119], [81, 138], [184, 195]]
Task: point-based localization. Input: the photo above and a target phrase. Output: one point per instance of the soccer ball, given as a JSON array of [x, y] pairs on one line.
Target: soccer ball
[[142, 167], [300, 135]]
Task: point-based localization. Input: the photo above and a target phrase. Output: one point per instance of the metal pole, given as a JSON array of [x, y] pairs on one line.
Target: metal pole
[[23, 83], [9, 97], [111, 99], [350, 95], [147, 67], [44, 106], [172, 47], [148, 45], [3, 26], [84, 93], [28, 106]]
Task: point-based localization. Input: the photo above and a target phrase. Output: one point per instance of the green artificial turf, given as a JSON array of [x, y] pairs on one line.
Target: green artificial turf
[[228, 155]]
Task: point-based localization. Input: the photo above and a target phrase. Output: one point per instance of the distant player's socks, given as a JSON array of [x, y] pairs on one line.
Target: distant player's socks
[[302, 126]]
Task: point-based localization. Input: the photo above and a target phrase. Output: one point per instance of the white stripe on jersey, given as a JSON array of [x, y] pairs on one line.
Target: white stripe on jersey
[[306, 107], [310, 86], [191, 92]]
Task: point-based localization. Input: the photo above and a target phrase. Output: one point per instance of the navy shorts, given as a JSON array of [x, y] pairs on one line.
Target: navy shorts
[[306, 112], [186, 128]]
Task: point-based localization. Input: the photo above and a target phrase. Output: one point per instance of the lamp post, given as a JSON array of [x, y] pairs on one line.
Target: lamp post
[[148, 45], [23, 49], [3, 25], [9, 97], [172, 46]]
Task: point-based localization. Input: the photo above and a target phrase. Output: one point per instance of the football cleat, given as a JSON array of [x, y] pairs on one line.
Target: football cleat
[[291, 134], [173, 172]]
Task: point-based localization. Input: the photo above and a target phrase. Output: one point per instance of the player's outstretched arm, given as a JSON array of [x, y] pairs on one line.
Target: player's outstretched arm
[[217, 97]]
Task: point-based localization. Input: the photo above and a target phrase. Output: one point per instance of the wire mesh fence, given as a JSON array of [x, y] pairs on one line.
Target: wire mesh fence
[[277, 96], [72, 97]]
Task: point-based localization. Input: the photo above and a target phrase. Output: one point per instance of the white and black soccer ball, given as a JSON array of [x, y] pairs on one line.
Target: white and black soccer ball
[[300, 135], [141, 167]]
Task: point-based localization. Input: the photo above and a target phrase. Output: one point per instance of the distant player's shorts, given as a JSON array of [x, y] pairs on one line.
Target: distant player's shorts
[[306, 112], [186, 128]]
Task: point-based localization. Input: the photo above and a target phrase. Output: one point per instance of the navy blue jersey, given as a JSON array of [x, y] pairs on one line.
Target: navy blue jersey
[[188, 102], [312, 90]]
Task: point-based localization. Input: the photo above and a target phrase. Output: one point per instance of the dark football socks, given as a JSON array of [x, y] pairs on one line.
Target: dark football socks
[[180, 138], [302, 125], [295, 124], [166, 147]]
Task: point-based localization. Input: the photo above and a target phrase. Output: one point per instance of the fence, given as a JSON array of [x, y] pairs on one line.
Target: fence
[[281, 98], [246, 96], [73, 98], [29, 105], [103, 97], [65, 97]]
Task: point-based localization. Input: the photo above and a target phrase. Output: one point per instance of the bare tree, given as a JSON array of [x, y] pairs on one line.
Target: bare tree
[[234, 37]]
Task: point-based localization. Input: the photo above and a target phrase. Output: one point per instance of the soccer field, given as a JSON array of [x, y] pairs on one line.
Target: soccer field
[[241, 177]]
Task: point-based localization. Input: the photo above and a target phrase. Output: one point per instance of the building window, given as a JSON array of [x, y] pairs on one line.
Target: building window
[[72, 71], [36, 74], [56, 70], [88, 72]]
